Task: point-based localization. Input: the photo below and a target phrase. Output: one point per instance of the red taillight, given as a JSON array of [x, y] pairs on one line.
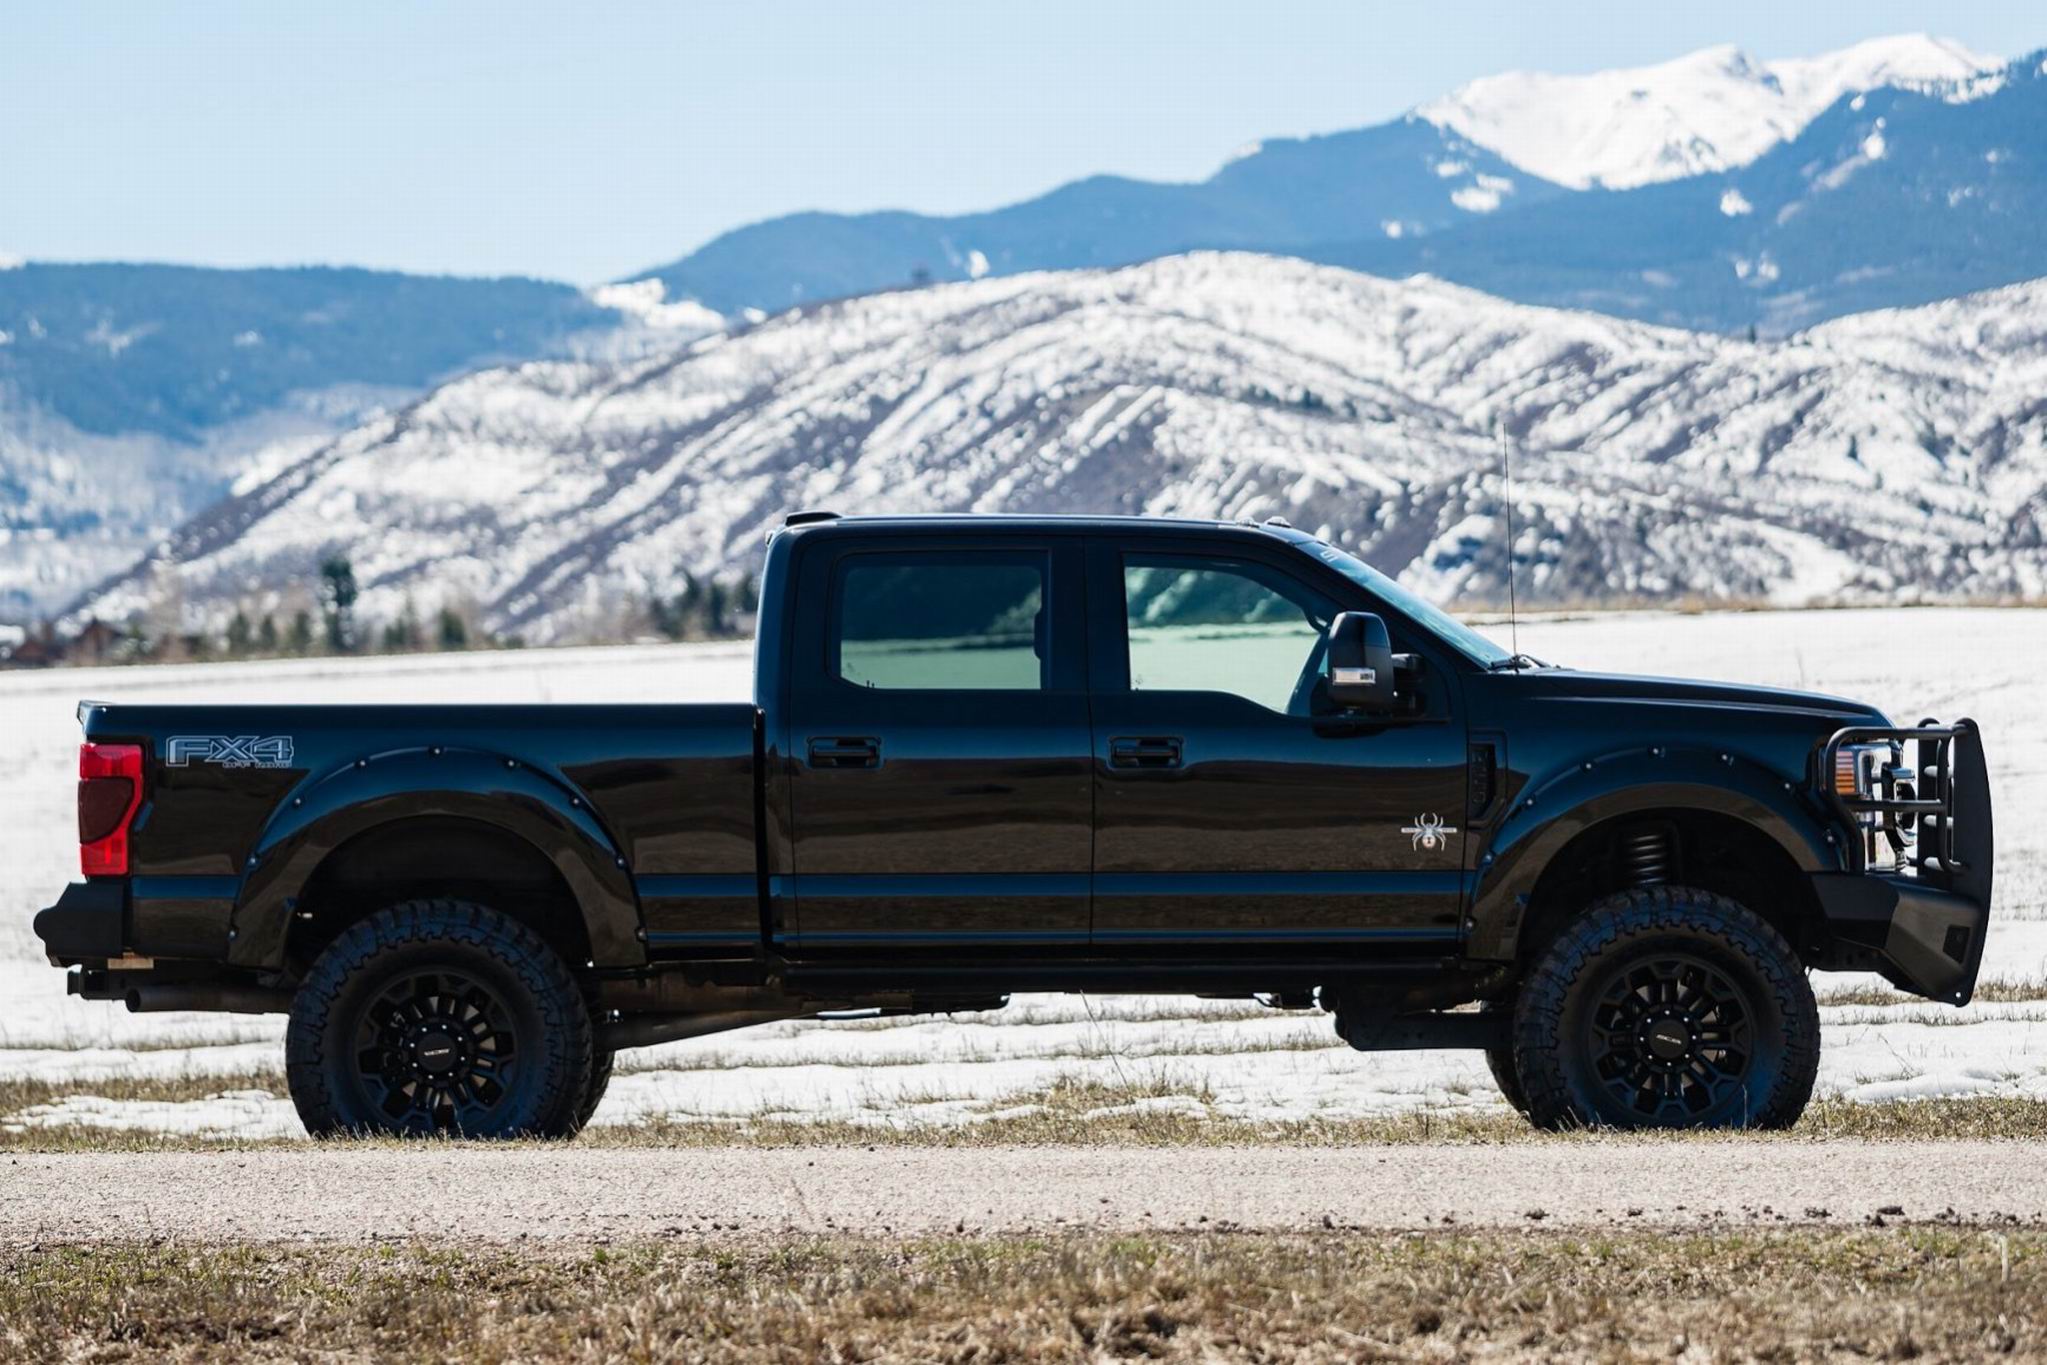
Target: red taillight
[[109, 794]]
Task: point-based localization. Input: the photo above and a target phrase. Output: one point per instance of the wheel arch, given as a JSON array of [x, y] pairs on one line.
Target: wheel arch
[[370, 834], [1737, 829]]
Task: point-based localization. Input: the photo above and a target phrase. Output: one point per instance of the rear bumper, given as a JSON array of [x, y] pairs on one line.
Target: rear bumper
[[87, 924], [1920, 938]]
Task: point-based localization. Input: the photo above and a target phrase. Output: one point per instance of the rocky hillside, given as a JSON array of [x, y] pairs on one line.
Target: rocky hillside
[[1890, 456]]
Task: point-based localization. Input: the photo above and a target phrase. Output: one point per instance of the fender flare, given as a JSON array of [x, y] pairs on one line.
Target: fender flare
[[1549, 812], [329, 809]]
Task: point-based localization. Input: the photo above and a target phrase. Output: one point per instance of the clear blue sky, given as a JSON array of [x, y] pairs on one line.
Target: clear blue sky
[[585, 140]]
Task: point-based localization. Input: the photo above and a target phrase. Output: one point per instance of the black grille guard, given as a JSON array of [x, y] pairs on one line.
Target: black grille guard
[[1938, 794]]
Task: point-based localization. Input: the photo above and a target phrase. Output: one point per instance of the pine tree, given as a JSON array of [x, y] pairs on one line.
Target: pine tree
[[266, 634], [338, 590], [238, 635], [717, 624], [453, 633]]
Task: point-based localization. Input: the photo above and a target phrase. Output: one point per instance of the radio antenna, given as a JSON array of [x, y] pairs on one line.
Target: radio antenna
[[1513, 607]]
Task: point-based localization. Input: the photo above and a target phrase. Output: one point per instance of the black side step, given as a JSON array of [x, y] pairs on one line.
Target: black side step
[[1121, 976]]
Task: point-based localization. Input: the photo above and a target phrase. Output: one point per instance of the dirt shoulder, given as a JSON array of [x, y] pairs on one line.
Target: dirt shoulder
[[473, 1194]]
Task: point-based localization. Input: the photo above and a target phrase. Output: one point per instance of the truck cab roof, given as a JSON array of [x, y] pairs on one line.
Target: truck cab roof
[[1066, 523]]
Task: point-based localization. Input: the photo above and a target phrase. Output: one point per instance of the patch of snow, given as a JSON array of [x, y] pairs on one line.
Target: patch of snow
[[10, 261], [1392, 227], [1450, 170], [1476, 198], [1734, 203], [647, 302], [977, 265]]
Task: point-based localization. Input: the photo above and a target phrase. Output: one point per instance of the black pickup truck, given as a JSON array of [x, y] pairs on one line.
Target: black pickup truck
[[988, 755]]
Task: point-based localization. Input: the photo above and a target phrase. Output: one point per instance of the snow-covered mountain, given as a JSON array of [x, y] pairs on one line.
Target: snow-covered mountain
[[1891, 456], [1704, 192], [1712, 110], [134, 396]]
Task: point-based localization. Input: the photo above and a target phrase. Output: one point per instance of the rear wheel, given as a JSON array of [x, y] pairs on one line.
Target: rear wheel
[[1668, 1007], [439, 1017]]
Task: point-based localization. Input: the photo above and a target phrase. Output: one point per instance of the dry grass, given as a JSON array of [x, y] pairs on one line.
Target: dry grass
[[1068, 1114], [1895, 1293], [1987, 993]]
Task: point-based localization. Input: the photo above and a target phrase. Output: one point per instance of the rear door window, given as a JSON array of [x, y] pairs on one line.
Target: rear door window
[[939, 621]]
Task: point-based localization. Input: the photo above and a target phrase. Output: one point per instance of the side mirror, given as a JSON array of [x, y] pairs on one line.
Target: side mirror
[[1361, 663]]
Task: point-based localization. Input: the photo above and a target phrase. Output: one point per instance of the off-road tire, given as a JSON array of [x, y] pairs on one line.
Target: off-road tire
[[1499, 1058], [409, 987], [593, 1093], [1596, 1028]]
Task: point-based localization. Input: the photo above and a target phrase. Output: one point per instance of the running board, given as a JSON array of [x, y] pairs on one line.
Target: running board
[[1119, 976]]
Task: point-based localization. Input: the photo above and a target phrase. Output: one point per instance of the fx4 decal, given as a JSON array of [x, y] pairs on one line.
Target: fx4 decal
[[229, 751]]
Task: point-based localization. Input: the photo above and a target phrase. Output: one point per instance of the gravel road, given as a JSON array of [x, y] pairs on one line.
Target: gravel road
[[504, 1195]]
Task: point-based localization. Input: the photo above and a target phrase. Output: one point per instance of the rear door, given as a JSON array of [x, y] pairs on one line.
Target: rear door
[[942, 793], [1233, 805]]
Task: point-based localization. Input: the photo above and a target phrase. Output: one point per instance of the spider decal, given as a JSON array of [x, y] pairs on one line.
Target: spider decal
[[1428, 831]]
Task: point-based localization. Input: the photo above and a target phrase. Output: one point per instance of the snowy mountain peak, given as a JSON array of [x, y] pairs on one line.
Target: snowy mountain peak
[[1709, 110]]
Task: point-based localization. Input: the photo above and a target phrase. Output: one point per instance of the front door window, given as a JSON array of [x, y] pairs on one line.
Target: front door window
[[1204, 625]]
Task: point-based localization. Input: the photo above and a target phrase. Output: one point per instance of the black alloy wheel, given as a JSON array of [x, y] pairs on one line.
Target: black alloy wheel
[[1672, 1037], [438, 1052]]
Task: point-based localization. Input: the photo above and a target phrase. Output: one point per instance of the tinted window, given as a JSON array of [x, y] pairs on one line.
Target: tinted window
[[1224, 626], [938, 621]]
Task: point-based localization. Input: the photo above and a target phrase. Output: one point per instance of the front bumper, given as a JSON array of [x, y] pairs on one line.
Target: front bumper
[[87, 924], [1918, 937], [1922, 926]]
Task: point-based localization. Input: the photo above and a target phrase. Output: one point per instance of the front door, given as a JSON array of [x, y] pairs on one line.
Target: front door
[[941, 794], [1234, 806]]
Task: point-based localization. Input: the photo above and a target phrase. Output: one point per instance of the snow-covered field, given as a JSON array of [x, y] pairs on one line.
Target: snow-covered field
[[1219, 1057]]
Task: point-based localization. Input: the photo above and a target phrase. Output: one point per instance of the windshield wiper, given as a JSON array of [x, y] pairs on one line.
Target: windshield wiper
[[1517, 662]]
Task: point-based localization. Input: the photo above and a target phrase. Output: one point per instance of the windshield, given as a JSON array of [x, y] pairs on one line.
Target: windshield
[[1426, 614]]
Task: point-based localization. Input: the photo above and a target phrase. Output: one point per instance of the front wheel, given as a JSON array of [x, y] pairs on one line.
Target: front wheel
[[439, 1017], [1668, 1007]]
